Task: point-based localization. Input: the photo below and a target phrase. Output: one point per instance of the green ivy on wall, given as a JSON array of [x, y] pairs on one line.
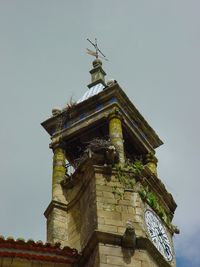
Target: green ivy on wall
[[126, 175], [154, 203]]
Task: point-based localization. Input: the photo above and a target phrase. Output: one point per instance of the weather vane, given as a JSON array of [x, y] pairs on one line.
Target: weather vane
[[97, 50]]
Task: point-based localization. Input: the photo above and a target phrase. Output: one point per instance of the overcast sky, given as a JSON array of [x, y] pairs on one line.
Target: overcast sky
[[153, 51]]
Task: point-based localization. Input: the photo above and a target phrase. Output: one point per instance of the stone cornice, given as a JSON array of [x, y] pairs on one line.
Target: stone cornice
[[156, 185], [146, 244], [100, 116], [110, 92], [55, 204], [116, 239]]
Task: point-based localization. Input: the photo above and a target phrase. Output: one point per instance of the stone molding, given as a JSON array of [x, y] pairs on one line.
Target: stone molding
[[55, 204], [109, 93], [116, 239]]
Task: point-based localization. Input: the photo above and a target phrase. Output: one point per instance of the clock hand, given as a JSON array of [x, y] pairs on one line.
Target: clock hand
[[159, 232], [162, 241], [167, 248], [154, 236], [161, 235], [159, 238], [164, 245]]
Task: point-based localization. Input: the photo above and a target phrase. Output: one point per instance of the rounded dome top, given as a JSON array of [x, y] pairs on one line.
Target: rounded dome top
[[96, 62]]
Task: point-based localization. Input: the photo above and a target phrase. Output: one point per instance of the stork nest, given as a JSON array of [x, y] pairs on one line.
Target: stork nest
[[95, 147], [97, 144]]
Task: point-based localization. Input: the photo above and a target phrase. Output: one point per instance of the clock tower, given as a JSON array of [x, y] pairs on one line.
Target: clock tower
[[108, 201]]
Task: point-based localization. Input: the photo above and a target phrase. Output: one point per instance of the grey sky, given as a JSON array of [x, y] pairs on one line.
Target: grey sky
[[153, 51]]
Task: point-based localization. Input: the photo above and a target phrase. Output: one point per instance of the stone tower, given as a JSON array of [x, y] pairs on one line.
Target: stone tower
[[112, 207]]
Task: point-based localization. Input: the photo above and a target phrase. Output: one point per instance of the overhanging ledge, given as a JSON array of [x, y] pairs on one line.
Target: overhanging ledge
[[142, 243], [55, 204]]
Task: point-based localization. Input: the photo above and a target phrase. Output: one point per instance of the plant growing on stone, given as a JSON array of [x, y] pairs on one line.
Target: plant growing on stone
[[126, 175], [154, 203], [70, 104]]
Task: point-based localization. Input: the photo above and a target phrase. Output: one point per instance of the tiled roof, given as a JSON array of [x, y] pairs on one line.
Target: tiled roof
[[40, 251], [94, 90]]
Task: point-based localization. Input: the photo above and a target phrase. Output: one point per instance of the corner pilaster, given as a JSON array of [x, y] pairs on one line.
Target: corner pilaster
[[116, 134], [56, 213], [58, 174], [151, 162]]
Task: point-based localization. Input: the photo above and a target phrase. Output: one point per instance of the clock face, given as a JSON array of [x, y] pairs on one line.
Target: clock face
[[158, 235]]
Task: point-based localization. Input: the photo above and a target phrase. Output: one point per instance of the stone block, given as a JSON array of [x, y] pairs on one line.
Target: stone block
[[100, 220], [124, 202], [131, 210], [109, 214], [107, 228], [115, 260], [114, 222], [110, 250], [138, 211], [108, 194], [104, 188], [102, 199], [121, 230]]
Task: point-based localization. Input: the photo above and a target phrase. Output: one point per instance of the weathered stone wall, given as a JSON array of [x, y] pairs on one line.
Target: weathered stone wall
[[88, 212], [74, 226], [115, 256], [81, 217], [98, 202], [57, 227], [115, 209]]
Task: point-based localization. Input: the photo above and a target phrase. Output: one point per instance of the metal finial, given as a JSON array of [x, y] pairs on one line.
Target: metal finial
[[97, 50]]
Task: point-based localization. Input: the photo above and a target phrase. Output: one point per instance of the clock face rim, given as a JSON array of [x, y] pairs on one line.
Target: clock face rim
[[164, 236]]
